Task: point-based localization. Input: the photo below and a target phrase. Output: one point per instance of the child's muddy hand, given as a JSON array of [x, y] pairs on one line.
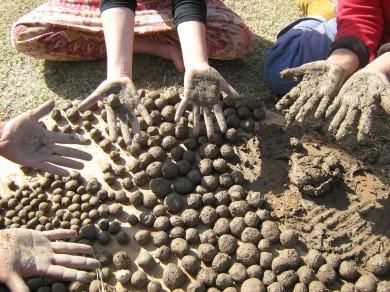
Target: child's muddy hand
[[29, 253], [356, 103], [319, 83], [26, 142], [121, 102], [202, 88]]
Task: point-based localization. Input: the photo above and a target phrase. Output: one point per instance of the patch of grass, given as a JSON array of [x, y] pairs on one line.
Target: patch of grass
[[26, 82]]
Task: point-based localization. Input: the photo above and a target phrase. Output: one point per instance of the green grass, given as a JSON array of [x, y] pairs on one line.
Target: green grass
[[26, 82]]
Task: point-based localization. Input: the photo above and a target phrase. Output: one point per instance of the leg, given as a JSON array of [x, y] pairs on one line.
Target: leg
[[304, 41]]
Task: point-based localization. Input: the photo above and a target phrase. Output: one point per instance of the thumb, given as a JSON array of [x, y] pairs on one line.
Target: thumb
[[42, 110], [16, 284]]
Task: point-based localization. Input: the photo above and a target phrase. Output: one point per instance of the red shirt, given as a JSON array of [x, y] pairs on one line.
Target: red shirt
[[367, 20]]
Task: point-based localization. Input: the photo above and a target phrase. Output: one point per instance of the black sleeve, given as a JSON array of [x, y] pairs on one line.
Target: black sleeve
[[355, 45], [106, 4], [187, 10]]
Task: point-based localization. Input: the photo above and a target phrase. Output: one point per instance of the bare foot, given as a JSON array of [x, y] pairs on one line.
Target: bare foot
[[159, 49]]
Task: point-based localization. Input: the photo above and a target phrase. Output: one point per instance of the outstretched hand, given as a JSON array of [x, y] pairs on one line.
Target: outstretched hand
[[319, 83], [357, 101], [202, 88], [27, 253], [121, 101], [26, 142]]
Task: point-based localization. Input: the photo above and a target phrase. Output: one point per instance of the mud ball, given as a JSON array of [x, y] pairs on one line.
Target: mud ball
[[88, 232], [159, 210], [264, 245], [196, 286], [238, 208], [122, 238], [191, 264], [154, 287], [104, 238], [227, 152], [252, 285], [149, 200], [142, 237], [114, 227], [146, 219], [224, 281], [222, 262], [383, 286], [169, 170], [160, 238], [207, 252], [247, 254], [190, 217], [348, 287], [250, 234], [162, 223], [238, 272], [194, 176], [208, 199], [275, 287], [207, 276], [209, 150], [141, 138], [157, 153], [327, 275], [160, 103], [269, 277], [177, 232], [222, 198], [348, 270], [139, 280], [167, 129], [183, 167], [183, 186], [266, 259], [237, 225], [154, 170], [179, 247], [210, 182], [177, 153], [192, 236], [300, 287], [205, 166], [251, 219], [163, 253], [270, 231], [225, 180], [221, 226], [263, 215], [145, 261], [223, 211], [333, 260], [378, 265], [232, 121], [121, 260], [287, 259], [173, 276], [317, 286], [254, 271], [288, 279], [168, 143], [176, 220], [160, 187], [208, 236], [314, 259], [122, 276], [289, 238], [136, 198], [140, 178], [194, 201], [306, 275], [248, 125], [208, 215], [220, 165]]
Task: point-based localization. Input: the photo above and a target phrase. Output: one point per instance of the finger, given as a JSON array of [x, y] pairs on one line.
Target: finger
[[293, 73], [220, 118], [334, 106], [338, 118], [59, 234], [196, 116], [62, 138], [48, 167], [42, 110], [71, 152], [126, 131], [227, 88], [95, 96], [16, 284], [144, 113], [134, 123], [71, 248], [209, 122], [324, 104], [348, 123], [68, 274], [111, 121], [297, 105], [182, 108], [287, 100], [76, 262], [365, 122], [63, 161]]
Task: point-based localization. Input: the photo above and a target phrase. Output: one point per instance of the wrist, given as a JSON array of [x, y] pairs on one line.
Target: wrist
[[380, 65], [346, 59]]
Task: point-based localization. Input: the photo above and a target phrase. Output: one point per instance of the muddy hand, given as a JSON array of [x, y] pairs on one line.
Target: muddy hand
[[26, 142], [30, 253], [121, 102], [202, 89], [319, 83], [357, 101]]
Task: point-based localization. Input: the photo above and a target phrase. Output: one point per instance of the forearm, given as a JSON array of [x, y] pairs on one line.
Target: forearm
[[345, 58], [2, 124], [118, 26], [192, 35], [380, 65]]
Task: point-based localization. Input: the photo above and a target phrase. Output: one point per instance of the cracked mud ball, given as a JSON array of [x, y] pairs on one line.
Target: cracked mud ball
[[268, 210]]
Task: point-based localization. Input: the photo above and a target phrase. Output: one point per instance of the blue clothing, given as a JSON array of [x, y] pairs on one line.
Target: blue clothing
[[303, 41]]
